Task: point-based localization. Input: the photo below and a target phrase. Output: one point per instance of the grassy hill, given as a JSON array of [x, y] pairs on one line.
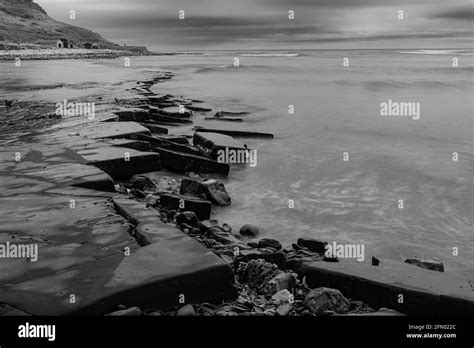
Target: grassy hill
[[25, 24]]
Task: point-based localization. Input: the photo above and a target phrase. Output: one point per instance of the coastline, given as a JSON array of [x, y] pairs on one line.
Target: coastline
[[74, 53], [260, 276]]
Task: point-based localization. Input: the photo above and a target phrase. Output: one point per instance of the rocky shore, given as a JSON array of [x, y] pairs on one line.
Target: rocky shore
[[76, 53], [141, 238]]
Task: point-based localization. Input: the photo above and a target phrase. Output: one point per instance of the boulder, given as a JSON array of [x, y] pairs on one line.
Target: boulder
[[214, 190], [142, 183], [283, 281], [284, 309], [312, 245], [200, 207], [431, 264], [221, 236], [278, 258], [249, 230], [320, 300], [269, 243], [187, 217]]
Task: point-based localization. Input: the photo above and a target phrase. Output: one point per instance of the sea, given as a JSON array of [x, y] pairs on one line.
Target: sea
[[339, 169]]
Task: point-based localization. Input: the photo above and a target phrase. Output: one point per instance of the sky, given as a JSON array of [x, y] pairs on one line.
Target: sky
[[265, 24]]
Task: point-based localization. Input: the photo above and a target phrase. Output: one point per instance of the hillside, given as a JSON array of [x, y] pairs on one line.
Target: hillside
[[25, 23]]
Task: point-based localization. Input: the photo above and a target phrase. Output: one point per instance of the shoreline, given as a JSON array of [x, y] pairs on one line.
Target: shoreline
[[165, 212], [76, 53]]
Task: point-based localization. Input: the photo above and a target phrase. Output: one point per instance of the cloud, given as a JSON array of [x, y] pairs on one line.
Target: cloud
[[461, 13], [213, 23]]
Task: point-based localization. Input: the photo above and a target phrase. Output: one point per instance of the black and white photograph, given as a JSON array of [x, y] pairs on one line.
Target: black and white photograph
[[193, 171]]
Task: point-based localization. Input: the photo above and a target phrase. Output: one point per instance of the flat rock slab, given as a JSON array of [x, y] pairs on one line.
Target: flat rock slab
[[424, 292], [121, 163], [132, 114], [236, 133], [183, 163], [149, 228], [155, 128], [74, 174], [102, 130], [216, 141], [67, 231], [89, 262]]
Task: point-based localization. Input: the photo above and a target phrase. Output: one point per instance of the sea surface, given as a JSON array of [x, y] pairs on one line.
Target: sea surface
[[336, 116]]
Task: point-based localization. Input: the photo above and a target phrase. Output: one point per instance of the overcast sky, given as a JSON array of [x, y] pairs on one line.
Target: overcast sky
[[240, 24]]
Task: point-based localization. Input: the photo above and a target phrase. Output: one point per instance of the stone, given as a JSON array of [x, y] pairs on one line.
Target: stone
[[132, 114], [143, 183], [431, 264], [249, 230], [253, 245], [425, 292], [284, 309], [133, 311], [217, 142], [282, 296], [214, 190], [278, 258], [121, 163], [324, 299], [312, 245], [187, 217], [116, 130], [283, 281], [186, 311], [236, 133], [269, 243], [375, 261], [184, 163], [220, 236], [200, 207], [155, 128]]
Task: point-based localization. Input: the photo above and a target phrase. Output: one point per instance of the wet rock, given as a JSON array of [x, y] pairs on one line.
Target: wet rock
[[375, 261], [283, 296], [269, 243], [256, 273], [151, 200], [284, 309], [283, 281], [187, 217], [324, 299], [278, 258], [249, 230], [200, 207], [133, 311], [219, 235], [312, 245], [431, 264], [214, 190], [186, 311]]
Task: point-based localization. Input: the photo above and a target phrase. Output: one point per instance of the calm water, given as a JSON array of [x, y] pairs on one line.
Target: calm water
[[337, 110]]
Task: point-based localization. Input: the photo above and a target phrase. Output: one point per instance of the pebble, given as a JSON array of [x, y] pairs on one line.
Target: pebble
[[269, 243], [186, 311], [133, 311]]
